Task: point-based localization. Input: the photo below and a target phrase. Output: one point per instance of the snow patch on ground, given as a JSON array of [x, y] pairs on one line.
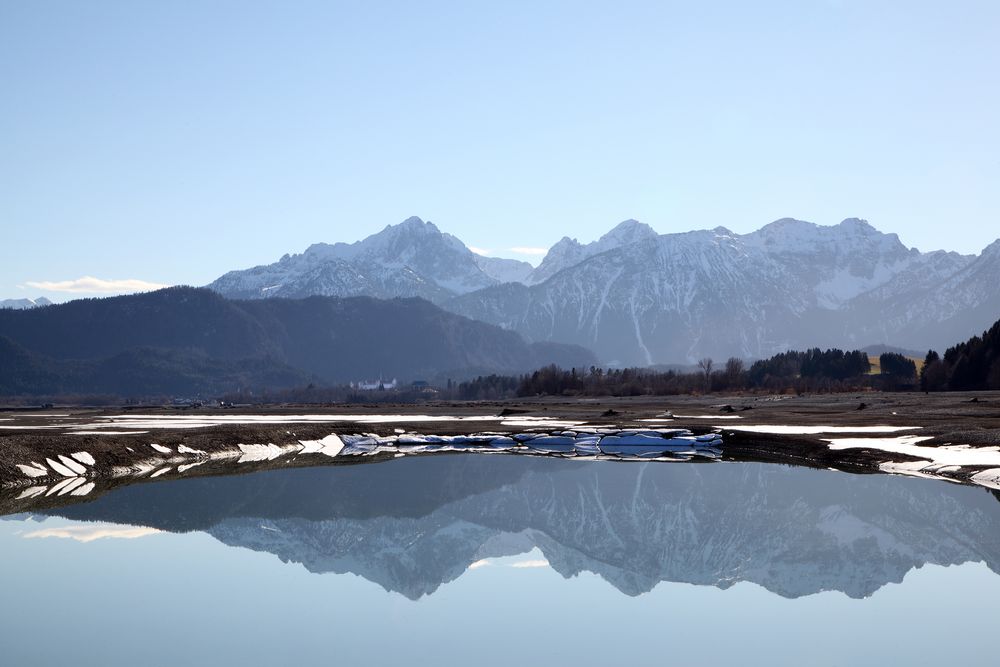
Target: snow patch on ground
[[707, 417], [161, 449], [951, 455], [106, 432], [132, 422], [936, 461], [778, 429], [529, 422], [60, 468], [32, 471], [72, 465], [84, 457]]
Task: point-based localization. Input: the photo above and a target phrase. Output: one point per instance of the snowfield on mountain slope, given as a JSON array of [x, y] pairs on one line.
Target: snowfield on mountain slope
[[791, 284], [635, 297]]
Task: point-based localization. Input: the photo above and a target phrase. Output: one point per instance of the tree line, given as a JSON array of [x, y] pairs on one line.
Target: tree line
[[970, 366], [813, 370], [973, 365]]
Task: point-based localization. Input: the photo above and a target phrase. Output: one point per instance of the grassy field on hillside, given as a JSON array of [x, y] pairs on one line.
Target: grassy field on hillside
[[877, 367]]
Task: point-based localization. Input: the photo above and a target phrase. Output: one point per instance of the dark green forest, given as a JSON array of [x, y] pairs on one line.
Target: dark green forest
[[969, 366], [188, 341], [192, 342], [972, 365]]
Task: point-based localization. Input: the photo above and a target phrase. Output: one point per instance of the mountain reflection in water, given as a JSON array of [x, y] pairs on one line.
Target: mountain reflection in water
[[413, 524]]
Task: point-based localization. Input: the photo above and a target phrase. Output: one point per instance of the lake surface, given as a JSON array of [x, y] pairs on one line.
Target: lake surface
[[499, 560]]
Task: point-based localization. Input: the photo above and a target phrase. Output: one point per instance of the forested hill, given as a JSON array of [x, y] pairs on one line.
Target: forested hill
[[198, 339], [972, 365]]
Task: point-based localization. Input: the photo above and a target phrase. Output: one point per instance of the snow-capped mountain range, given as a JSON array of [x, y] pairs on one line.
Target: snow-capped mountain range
[[412, 258], [638, 298], [23, 304]]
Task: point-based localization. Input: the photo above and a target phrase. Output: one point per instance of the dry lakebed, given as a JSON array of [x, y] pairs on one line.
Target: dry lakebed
[[56, 457]]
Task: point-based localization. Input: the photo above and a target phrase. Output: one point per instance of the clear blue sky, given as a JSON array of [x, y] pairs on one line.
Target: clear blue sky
[[172, 141]]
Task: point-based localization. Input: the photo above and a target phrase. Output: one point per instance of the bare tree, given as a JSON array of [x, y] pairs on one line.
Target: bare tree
[[734, 372], [706, 368]]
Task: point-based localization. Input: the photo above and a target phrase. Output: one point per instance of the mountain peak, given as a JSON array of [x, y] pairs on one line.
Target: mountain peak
[[625, 225], [411, 258], [794, 233], [565, 242], [414, 224], [627, 231], [857, 225], [788, 223]]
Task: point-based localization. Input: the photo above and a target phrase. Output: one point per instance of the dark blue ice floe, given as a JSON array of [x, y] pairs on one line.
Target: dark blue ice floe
[[672, 444], [645, 446], [552, 444]]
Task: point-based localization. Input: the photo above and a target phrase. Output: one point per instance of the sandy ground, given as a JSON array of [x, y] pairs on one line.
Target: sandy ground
[[35, 444]]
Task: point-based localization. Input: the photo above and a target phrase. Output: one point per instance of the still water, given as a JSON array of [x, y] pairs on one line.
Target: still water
[[492, 560]]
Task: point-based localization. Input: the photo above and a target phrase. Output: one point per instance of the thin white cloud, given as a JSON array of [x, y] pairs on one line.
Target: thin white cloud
[[90, 533], [480, 563], [530, 563], [527, 250], [92, 285], [479, 251]]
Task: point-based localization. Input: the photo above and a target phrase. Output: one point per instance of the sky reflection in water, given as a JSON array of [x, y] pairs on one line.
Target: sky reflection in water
[[496, 560]]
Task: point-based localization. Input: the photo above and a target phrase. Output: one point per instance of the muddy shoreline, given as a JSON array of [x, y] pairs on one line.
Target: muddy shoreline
[[118, 454]]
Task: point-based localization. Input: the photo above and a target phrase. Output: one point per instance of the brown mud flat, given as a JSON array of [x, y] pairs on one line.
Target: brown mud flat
[[122, 458]]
